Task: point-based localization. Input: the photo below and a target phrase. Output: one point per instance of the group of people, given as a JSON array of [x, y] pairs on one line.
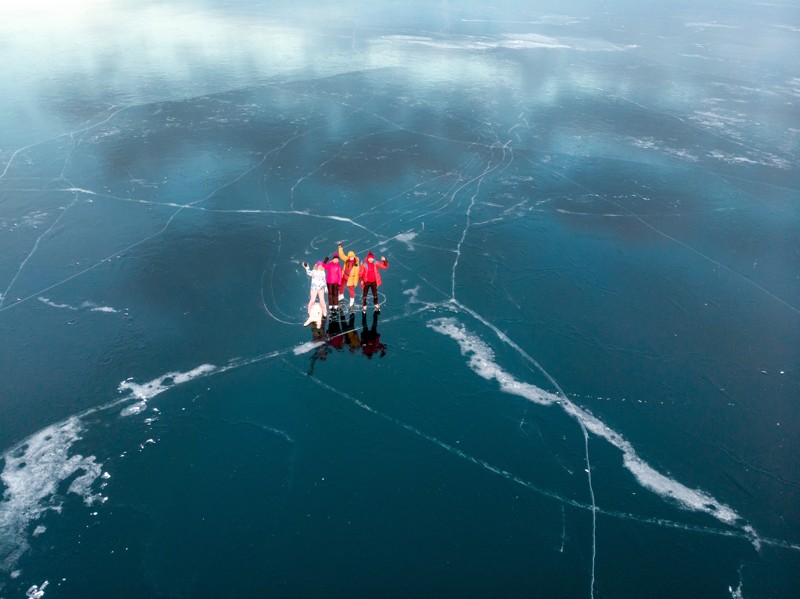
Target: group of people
[[333, 277]]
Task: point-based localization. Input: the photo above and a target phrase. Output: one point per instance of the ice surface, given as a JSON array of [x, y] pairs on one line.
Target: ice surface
[[591, 219]]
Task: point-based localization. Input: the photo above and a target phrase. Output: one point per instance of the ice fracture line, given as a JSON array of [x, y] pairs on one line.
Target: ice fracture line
[[3, 296], [580, 421], [564, 501], [702, 255], [479, 178]]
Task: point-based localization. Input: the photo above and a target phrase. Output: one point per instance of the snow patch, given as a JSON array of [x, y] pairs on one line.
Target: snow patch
[[34, 470], [37, 592], [150, 389], [481, 361], [97, 308], [165, 381]]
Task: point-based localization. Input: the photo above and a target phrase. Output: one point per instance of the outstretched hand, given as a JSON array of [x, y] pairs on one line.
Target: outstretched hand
[[305, 264]]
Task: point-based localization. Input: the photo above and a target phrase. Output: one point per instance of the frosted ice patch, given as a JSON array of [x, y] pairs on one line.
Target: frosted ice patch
[[34, 470], [152, 388], [136, 408], [407, 238], [306, 347], [412, 295], [482, 361]]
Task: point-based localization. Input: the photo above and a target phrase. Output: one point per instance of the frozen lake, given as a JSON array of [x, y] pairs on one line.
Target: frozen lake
[[584, 378]]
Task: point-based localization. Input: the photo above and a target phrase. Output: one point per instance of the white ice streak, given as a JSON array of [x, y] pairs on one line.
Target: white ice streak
[[91, 306], [711, 25], [306, 347], [515, 41], [167, 381], [481, 361], [542, 20], [34, 469], [53, 304]]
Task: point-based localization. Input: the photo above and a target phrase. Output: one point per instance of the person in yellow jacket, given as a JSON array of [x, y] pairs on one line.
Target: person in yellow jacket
[[350, 268]]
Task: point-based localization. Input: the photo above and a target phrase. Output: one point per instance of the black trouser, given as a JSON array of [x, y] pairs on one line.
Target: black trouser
[[333, 294], [367, 286]]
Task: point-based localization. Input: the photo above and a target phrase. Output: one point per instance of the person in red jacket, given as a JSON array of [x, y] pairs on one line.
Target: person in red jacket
[[371, 279]]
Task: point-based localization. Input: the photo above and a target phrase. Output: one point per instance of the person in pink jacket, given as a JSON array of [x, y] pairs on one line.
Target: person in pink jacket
[[371, 279], [333, 278]]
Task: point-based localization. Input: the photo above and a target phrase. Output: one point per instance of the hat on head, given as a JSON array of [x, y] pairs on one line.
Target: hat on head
[[351, 255], [370, 255], [319, 264]]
